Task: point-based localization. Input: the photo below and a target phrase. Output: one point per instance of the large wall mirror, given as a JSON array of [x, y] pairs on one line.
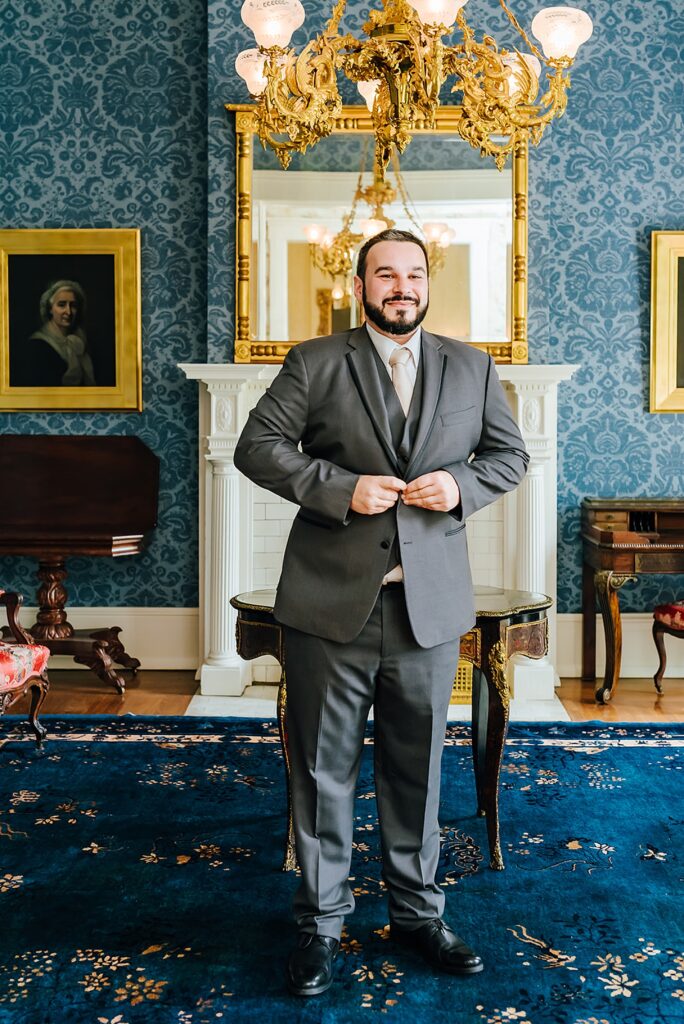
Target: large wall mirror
[[478, 289]]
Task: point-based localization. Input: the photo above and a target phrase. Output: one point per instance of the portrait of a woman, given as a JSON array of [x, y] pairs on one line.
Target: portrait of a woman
[[57, 353]]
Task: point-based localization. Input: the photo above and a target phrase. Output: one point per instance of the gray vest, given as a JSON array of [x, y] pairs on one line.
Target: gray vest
[[403, 428]]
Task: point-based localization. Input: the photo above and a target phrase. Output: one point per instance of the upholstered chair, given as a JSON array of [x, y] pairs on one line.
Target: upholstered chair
[[23, 666], [667, 618]]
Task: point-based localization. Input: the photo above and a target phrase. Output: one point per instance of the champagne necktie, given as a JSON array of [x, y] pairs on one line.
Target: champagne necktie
[[401, 378]]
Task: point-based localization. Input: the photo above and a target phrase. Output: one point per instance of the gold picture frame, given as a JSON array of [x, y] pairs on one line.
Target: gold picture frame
[[667, 321], [356, 119], [93, 360]]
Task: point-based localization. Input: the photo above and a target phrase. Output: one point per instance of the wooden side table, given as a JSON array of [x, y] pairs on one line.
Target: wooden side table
[[508, 622]]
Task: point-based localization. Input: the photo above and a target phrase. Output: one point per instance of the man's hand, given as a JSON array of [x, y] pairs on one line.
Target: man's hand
[[374, 494], [436, 491]]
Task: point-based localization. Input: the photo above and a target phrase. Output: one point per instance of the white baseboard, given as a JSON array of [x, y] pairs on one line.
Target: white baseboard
[[160, 638], [639, 656], [167, 638]]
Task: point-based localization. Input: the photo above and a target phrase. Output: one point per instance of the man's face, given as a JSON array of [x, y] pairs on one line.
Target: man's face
[[395, 291], [64, 309]]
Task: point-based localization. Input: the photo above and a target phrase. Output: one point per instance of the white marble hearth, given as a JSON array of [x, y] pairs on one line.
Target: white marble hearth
[[243, 529], [259, 701]]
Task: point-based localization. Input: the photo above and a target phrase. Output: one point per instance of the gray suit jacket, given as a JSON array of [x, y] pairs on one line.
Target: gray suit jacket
[[328, 397]]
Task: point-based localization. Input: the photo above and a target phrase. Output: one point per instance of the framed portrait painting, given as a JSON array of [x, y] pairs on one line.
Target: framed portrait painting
[[667, 321], [70, 319]]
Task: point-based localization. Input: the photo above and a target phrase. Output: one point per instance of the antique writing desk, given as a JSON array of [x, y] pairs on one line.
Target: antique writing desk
[[508, 622], [76, 495], [621, 538]]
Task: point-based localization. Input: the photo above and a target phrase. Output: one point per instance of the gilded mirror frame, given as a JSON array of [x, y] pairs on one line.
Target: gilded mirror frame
[[667, 321], [357, 119]]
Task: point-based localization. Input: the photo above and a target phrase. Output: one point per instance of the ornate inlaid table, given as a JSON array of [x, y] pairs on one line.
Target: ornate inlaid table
[[508, 622]]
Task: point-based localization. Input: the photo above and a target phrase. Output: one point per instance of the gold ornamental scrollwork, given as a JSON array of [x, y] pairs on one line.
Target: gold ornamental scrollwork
[[497, 670], [609, 580], [290, 863]]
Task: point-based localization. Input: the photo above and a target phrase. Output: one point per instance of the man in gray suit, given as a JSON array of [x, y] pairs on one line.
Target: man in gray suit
[[387, 438]]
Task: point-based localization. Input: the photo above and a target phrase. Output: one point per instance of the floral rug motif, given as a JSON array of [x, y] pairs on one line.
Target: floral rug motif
[[140, 880]]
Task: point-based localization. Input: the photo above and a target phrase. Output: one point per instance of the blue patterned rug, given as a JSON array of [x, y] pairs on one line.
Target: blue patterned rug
[[140, 881]]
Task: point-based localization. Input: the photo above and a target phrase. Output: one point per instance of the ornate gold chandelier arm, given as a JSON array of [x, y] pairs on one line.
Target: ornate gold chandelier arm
[[333, 26], [337, 261], [495, 119], [555, 100], [301, 98], [468, 35]]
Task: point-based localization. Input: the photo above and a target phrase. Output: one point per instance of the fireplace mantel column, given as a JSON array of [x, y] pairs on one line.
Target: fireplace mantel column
[[530, 527], [227, 393]]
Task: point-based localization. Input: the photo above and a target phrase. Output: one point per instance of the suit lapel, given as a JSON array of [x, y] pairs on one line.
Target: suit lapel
[[365, 374], [434, 362]]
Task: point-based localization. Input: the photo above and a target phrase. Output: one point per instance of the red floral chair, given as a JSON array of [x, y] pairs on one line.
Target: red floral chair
[[23, 666], [667, 618]]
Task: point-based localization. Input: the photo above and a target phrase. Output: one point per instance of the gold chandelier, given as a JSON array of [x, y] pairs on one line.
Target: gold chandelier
[[334, 254], [400, 68]]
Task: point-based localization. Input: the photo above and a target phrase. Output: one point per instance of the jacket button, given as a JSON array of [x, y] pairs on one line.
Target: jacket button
[[384, 544]]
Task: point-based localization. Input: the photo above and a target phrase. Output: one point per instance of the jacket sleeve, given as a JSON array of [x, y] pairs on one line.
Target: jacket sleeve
[[500, 459], [268, 449]]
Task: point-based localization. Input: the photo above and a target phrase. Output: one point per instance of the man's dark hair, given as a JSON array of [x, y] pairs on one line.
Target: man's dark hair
[[389, 235]]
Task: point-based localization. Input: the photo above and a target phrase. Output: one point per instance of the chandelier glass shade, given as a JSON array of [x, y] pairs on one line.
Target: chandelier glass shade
[[400, 67]]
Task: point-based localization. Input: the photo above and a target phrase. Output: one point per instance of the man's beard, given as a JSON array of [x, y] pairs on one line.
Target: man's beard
[[407, 319]]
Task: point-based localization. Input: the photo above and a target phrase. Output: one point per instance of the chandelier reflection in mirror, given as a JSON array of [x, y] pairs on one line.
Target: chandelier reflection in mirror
[[334, 253], [400, 68]]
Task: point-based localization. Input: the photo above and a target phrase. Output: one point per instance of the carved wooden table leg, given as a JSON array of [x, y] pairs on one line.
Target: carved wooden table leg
[[659, 631], [480, 714], [494, 660], [115, 649], [659, 640], [99, 662], [39, 690], [588, 624], [51, 622], [99, 649], [290, 861], [607, 585]]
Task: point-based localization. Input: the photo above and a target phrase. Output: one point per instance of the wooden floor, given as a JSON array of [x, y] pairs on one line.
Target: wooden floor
[[633, 700], [169, 693]]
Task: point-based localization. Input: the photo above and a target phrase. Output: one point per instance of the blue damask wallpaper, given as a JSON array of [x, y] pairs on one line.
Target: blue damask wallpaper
[[612, 174], [111, 114], [103, 124]]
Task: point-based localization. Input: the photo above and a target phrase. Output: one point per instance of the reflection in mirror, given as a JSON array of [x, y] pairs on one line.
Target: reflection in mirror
[[469, 295], [478, 286]]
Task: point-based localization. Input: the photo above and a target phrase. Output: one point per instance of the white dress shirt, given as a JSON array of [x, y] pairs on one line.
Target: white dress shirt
[[384, 346]]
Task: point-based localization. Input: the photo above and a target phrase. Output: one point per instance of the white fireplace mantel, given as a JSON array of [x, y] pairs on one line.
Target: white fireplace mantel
[[230, 514]]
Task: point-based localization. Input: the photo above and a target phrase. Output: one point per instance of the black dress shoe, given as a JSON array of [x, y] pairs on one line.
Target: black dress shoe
[[310, 967], [441, 947]]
